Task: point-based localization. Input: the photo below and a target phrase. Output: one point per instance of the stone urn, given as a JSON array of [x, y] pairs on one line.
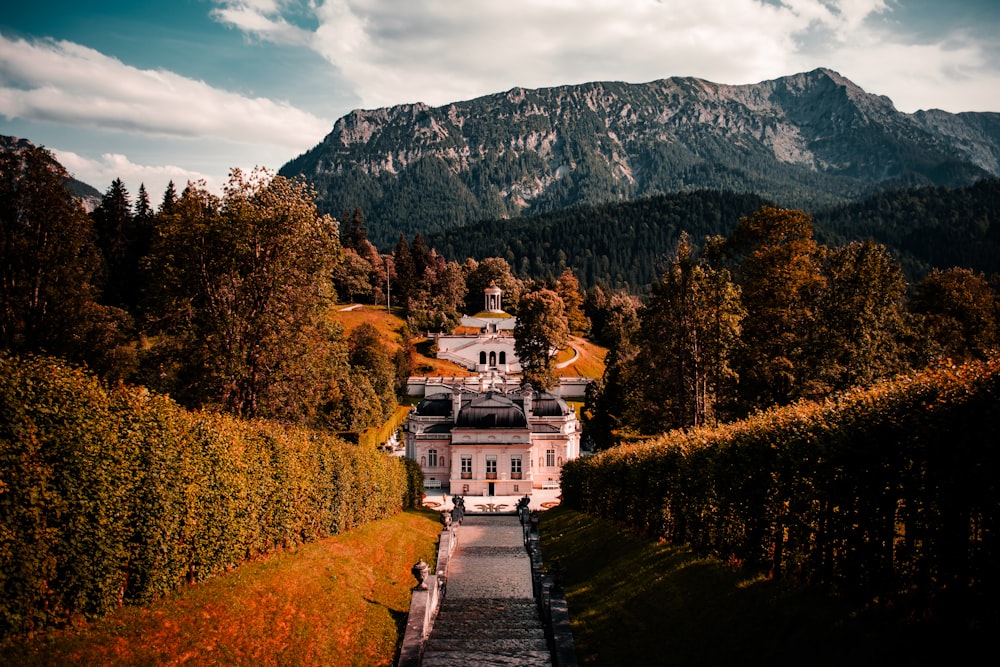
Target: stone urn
[[419, 570]]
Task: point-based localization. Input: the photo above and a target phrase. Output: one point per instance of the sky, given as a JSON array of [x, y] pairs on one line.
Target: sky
[[151, 91]]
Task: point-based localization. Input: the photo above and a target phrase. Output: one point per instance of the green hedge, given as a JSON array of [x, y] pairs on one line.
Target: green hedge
[[883, 493], [373, 437], [117, 496]]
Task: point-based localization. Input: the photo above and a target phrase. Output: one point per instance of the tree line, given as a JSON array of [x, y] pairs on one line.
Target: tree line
[[226, 301], [219, 301], [767, 316], [624, 245]]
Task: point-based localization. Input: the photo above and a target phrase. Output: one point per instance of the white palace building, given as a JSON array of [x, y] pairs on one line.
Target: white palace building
[[491, 443], [490, 437]]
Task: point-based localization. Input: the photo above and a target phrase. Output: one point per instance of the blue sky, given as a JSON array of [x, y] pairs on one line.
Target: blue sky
[[185, 90]]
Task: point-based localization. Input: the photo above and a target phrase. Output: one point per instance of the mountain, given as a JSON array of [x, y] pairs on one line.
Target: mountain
[[805, 140], [87, 194]]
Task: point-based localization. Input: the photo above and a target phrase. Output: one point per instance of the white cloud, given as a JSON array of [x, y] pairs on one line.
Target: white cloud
[[437, 51], [63, 82], [262, 19], [100, 172]]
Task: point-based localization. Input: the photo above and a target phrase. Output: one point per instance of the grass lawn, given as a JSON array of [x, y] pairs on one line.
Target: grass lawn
[[635, 601], [339, 601], [590, 363]]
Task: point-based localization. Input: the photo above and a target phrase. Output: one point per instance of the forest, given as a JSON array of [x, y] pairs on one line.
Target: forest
[[215, 313], [728, 302], [625, 245]]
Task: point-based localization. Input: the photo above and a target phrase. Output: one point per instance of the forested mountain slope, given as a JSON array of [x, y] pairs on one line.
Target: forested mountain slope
[[623, 245], [805, 140]]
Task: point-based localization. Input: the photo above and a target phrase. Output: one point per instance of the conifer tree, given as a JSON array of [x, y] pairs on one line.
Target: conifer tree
[[49, 263], [116, 239], [169, 199], [568, 288]]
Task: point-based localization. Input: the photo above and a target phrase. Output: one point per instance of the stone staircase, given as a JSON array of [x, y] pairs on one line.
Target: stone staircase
[[486, 632], [488, 615]]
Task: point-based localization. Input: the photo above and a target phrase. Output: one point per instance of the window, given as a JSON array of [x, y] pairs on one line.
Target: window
[[432, 458], [550, 457], [491, 466], [515, 466], [503, 358], [482, 358], [466, 467]]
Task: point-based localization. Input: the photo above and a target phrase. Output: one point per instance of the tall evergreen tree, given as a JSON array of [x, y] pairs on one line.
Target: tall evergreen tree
[[115, 229], [568, 288], [169, 199], [48, 266], [406, 272], [355, 231]]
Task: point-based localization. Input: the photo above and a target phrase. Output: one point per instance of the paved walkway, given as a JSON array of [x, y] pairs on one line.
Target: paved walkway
[[540, 499], [488, 616]]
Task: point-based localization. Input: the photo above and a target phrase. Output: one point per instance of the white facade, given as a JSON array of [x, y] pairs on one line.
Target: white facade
[[492, 348], [492, 443]]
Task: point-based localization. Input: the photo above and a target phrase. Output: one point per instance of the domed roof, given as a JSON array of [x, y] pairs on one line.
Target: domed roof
[[435, 405], [545, 404], [491, 411]]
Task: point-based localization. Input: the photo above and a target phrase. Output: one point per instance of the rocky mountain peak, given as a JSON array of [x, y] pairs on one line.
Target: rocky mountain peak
[[809, 137]]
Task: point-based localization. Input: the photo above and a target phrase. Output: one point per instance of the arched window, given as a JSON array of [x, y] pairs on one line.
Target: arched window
[[493, 358], [482, 358], [503, 358]]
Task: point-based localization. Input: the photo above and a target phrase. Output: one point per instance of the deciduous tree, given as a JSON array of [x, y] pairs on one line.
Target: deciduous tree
[[957, 313], [687, 345], [245, 282], [781, 282], [540, 330], [862, 316]]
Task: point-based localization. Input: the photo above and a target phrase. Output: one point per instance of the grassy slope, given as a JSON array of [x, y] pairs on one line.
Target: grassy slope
[[634, 601], [340, 601]]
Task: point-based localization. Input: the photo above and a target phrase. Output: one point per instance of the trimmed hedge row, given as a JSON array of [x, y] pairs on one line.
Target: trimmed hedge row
[[120, 496], [375, 437], [886, 492]]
